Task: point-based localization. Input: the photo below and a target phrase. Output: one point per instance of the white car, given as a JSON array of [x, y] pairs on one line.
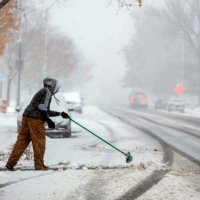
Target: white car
[[176, 104], [74, 101], [63, 126]]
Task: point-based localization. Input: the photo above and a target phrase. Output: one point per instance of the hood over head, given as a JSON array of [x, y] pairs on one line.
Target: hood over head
[[51, 83], [57, 87]]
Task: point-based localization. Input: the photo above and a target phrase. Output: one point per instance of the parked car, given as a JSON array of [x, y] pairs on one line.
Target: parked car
[[176, 104], [63, 126], [161, 103], [138, 99], [74, 101]]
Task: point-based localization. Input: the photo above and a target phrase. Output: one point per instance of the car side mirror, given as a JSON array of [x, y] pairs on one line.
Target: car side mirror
[[18, 108], [71, 109]]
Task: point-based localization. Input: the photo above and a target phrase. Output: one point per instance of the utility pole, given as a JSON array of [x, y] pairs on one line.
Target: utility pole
[[19, 72], [2, 78], [45, 40], [1, 89], [1, 86], [19, 61], [182, 62], [45, 45]]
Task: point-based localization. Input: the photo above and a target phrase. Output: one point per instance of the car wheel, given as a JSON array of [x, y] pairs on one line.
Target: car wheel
[[80, 111], [66, 135]]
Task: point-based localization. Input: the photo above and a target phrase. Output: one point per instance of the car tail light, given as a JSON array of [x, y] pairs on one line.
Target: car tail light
[[147, 100], [140, 96], [132, 99]]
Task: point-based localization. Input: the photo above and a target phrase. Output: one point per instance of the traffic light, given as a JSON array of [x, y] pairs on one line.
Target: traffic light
[[140, 3], [89, 76]]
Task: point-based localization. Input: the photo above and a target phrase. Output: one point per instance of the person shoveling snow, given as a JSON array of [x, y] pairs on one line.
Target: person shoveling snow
[[33, 130]]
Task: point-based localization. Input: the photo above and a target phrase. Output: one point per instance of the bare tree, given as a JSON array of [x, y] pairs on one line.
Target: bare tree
[[184, 18], [61, 54], [9, 24], [4, 2], [147, 56], [121, 3], [8, 69], [164, 47]]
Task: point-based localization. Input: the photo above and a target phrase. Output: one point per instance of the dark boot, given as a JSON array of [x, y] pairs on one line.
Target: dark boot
[[10, 167], [43, 168]]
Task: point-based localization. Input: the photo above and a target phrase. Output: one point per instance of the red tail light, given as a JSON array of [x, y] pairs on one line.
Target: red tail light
[[132, 99], [140, 96]]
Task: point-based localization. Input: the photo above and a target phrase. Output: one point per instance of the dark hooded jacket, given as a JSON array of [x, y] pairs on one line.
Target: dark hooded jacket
[[39, 107]]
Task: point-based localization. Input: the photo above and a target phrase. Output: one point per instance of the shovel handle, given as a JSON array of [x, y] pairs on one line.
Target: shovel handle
[[98, 137]]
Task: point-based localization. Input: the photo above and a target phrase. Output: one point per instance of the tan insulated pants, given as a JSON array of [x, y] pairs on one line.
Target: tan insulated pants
[[32, 130]]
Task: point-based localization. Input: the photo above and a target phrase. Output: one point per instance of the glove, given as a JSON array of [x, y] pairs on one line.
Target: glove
[[65, 115], [50, 123]]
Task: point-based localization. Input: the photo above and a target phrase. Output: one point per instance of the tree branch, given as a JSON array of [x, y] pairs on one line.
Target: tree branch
[[3, 3]]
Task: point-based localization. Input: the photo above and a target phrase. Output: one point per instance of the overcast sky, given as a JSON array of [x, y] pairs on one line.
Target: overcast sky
[[100, 32]]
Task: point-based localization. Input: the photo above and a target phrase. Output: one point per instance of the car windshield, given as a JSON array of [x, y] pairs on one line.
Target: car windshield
[[162, 100], [26, 102], [140, 93], [53, 106], [72, 96], [60, 105], [177, 100]]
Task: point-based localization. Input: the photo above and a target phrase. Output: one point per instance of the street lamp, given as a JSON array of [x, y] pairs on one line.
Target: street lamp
[[19, 71], [18, 49]]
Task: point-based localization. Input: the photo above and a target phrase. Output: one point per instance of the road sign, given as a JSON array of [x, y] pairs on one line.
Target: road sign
[[179, 89]]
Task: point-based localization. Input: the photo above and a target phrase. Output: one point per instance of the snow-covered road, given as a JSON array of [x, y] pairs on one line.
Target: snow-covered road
[[85, 177]]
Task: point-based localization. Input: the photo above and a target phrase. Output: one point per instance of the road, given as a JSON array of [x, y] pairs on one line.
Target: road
[[179, 132], [176, 133], [166, 160]]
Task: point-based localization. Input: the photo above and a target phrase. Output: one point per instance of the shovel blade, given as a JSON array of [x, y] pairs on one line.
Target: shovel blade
[[129, 157]]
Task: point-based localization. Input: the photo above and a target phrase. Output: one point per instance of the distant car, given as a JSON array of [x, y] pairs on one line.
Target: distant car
[[63, 126], [139, 100], [161, 103], [74, 101], [176, 104], [196, 111]]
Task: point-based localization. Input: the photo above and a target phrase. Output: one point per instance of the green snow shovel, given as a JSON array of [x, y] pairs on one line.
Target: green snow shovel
[[129, 157]]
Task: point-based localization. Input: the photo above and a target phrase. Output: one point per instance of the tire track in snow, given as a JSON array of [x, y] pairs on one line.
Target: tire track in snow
[[22, 179], [156, 175], [96, 191], [94, 147], [93, 189], [181, 129]]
